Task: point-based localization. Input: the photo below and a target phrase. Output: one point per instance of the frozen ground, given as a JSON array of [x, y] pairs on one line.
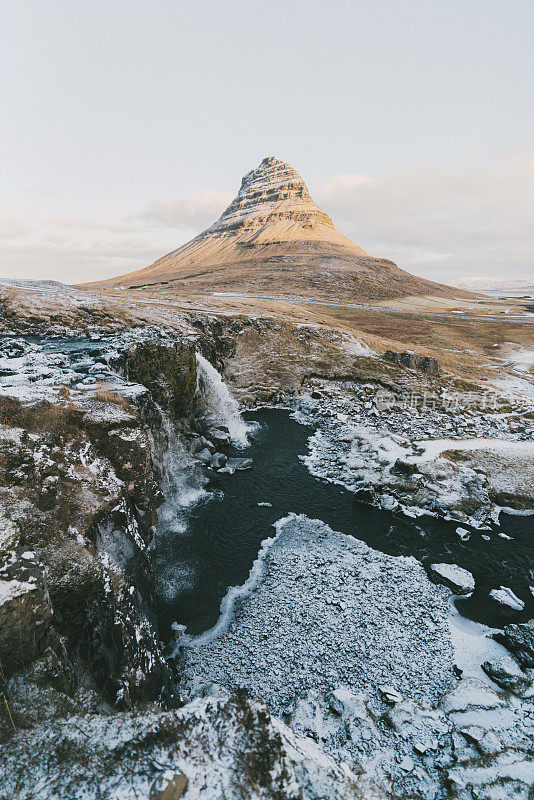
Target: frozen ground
[[68, 367], [227, 749], [356, 649], [322, 608], [462, 463]]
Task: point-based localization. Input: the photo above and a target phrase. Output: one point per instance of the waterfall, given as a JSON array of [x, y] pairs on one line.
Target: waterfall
[[182, 480], [182, 485], [223, 409]]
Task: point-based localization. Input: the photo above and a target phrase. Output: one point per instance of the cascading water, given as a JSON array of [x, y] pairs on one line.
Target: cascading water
[[179, 566], [223, 409], [182, 485], [182, 480]]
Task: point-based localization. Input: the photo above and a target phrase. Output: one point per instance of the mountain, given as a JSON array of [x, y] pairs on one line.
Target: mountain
[[274, 239], [496, 285]]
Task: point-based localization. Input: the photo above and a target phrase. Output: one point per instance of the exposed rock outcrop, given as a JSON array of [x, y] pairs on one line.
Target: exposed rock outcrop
[[519, 639], [80, 491], [456, 578], [25, 612], [168, 371], [228, 748], [427, 364]]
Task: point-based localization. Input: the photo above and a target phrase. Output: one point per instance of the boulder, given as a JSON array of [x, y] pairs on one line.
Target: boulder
[[219, 435], [234, 464], [169, 785], [506, 674], [218, 460], [427, 364], [390, 694], [519, 639], [464, 534], [403, 467], [456, 578], [507, 599], [25, 616], [204, 456], [200, 443]]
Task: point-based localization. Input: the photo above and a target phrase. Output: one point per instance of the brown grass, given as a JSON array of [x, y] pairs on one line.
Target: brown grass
[[42, 417], [106, 395]]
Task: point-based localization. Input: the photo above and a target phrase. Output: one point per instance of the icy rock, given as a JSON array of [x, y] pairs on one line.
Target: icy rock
[[463, 533], [469, 694], [218, 460], [201, 443], [505, 597], [234, 464], [219, 436], [388, 503], [519, 639], [168, 786], [406, 765], [419, 725], [507, 674], [404, 467], [390, 695], [456, 578], [343, 701], [204, 456]]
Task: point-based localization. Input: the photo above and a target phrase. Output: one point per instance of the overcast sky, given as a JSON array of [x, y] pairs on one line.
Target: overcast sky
[[127, 126]]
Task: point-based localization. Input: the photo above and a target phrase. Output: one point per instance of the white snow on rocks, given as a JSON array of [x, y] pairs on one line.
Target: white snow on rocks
[[456, 578], [11, 589], [228, 749], [322, 608], [9, 534], [505, 597], [483, 462]]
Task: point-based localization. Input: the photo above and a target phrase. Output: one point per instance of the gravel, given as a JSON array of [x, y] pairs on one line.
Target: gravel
[[319, 609]]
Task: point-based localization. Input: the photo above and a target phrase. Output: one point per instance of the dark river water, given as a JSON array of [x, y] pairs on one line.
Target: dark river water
[[224, 532]]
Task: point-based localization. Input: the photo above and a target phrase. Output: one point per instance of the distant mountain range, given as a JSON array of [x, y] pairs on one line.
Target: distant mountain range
[[493, 285], [274, 239]]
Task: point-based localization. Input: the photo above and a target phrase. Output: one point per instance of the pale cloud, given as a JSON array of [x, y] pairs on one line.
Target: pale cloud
[[197, 210], [438, 222], [14, 229]]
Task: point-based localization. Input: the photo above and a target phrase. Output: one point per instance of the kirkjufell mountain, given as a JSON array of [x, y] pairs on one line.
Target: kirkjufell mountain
[[273, 238]]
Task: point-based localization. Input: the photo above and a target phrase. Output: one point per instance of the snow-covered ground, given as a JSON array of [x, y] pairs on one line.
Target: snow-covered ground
[[408, 455], [357, 650], [316, 605]]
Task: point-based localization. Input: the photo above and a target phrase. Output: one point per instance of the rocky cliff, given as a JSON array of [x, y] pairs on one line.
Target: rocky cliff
[[80, 489]]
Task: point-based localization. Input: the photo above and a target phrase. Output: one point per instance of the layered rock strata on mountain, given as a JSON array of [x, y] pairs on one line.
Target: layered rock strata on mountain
[[274, 238]]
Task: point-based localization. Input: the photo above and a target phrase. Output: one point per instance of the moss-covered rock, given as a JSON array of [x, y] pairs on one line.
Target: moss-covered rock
[[168, 371]]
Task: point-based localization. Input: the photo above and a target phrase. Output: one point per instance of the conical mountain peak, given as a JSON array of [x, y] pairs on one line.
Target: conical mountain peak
[[274, 194], [274, 238]]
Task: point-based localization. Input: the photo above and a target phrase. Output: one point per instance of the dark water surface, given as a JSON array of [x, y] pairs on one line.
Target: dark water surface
[[224, 532]]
